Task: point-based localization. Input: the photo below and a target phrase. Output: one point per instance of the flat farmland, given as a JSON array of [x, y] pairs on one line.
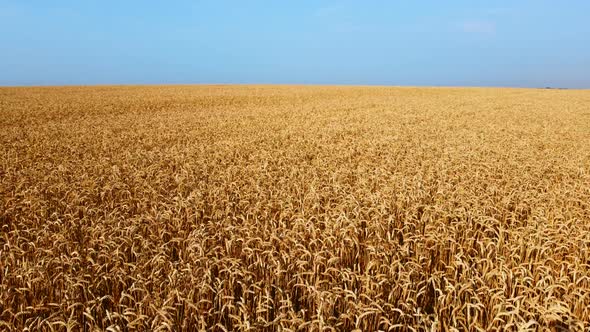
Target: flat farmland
[[294, 208]]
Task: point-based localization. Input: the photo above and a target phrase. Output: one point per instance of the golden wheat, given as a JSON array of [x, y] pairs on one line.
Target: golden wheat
[[285, 208]]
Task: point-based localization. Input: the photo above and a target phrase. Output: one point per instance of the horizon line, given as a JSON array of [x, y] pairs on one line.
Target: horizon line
[[548, 87]]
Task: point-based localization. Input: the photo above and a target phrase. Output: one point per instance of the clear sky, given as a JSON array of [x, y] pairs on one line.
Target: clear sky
[[531, 43]]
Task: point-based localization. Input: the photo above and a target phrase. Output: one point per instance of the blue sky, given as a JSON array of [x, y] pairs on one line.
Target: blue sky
[[468, 43]]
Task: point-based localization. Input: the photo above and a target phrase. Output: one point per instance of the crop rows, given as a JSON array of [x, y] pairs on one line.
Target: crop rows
[[293, 208]]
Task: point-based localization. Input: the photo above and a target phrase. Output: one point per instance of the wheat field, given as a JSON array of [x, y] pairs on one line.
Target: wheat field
[[294, 208]]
